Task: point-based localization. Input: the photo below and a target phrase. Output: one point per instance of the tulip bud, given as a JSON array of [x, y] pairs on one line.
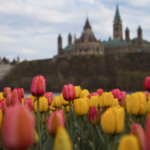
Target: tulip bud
[[113, 120], [38, 86], [43, 104], [62, 140], [93, 101], [93, 116], [56, 102], [34, 98], [15, 133], [15, 97], [8, 99], [78, 91], [92, 94], [62, 101], [49, 96], [28, 103], [55, 119], [99, 91], [3, 105], [84, 93], [115, 102], [147, 83], [116, 93], [129, 142], [6, 91], [138, 131], [79, 104], [21, 91], [68, 92]]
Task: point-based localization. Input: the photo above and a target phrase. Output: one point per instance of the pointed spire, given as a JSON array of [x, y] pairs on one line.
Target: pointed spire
[[87, 24], [127, 29], [117, 15], [139, 28]]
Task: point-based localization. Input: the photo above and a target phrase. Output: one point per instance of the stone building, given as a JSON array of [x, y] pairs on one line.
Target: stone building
[[87, 44]]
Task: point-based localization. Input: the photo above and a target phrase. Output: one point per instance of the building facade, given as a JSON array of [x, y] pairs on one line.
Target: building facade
[[87, 44]]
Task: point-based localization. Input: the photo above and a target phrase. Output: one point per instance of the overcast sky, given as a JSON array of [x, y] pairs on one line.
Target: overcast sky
[[29, 28]]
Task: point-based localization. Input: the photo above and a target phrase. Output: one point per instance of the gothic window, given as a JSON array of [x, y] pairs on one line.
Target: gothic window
[[97, 49]]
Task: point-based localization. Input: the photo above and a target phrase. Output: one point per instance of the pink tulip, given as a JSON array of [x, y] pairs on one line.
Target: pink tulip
[[69, 92], [49, 96], [123, 94], [28, 103], [99, 91], [137, 130], [15, 97], [93, 116], [55, 119], [92, 94], [3, 105], [8, 99], [6, 91], [146, 94], [21, 91], [38, 86], [17, 128], [147, 130], [116, 93], [147, 83]]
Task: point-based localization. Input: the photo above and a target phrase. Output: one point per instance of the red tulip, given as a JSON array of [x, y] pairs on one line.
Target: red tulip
[[99, 91], [147, 84], [49, 96], [3, 105], [55, 119], [92, 94], [146, 94], [6, 91], [17, 128], [123, 94], [38, 86], [15, 97], [116, 93], [93, 116], [69, 92], [21, 91], [8, 99], [137, 130], [28, 103], [147, 130]]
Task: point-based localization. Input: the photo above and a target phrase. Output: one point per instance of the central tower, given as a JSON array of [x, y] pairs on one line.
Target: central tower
[[117, 26]]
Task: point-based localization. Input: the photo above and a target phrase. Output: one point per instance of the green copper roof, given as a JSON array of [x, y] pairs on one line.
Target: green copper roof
[[116, 42], [135, 40], [127, 29], [59, 35], [69, 34], [68, 47], [139, 28], [117, 15]]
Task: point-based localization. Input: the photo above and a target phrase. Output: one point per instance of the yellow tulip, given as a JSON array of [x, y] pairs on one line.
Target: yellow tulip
[[106, 100], [1, 118], [62, 101], [129, 142], [137, 104], [50, 112], [34, 98], [22, 101], [56, 102], [78, 91], [67, 109], [81, 106], [43, 104], [1, 96], [93, 101], [115, 102], [36, 137], [84, 93], [52, 108], [112, 120], [62, 140]]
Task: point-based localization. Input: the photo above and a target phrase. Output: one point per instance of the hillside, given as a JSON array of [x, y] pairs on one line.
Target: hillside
[[125, 71]]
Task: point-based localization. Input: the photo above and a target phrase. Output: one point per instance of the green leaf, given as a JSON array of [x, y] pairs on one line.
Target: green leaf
[[48, 145], [143, 120], [43, 137]]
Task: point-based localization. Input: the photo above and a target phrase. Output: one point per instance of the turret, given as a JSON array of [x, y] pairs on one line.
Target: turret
[[59, 44], [127, 34], [139, 35], [69, 39]]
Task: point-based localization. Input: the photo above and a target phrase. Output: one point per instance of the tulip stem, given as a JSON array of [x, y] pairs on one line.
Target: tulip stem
[[107, 140], [70, 120], [93, 137], [65, 114], [113, 143], [38, 120], [99, 114], [41, 122], [82, 133]]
